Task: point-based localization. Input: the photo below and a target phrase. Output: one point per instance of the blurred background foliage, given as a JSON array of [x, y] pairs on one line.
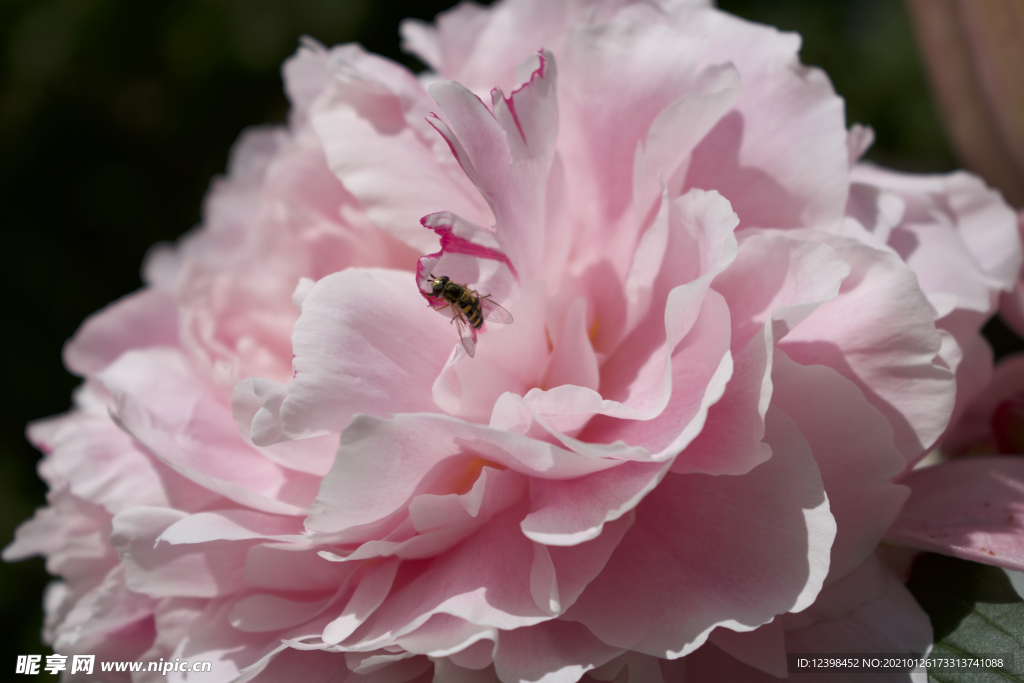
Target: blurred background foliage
[[115, 114]]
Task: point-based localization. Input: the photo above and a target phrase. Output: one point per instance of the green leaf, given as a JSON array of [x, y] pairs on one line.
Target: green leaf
[[974, 611]]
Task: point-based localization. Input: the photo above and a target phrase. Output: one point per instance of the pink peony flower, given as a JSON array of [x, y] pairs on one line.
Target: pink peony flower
[[726, 348]]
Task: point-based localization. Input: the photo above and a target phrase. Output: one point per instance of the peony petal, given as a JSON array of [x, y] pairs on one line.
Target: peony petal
[[292, 567], [664, 418], [565, 571], [159, 402], [313, 455], [370, 592], [261, 613], [731, 441], [165, 570], [618, 77], [968, 353], [892, 623], [711, 664], [1011, 304], [103, 465], [367, 120], [304, 75], [509, 359], [531, 109], [211, 637], [878, 333], [552, 652], [775, 561], [394, 346], [961, 203], [316, 667], [763, 648], [413, 454], [972, 508], [446, 671], [444, 635], [482, 47], [484, 580], [172, 618], [565, 513], [865, 584], [780, 156], [387, 667], [858, 141], [101, 612], [330, 667], [469, 255], [690, 241], [507, 155], [256, 408], [677, 130], [229, 525], [143, 319], [871, 215], [853, 447], [492, 492], [547, 415], [53, 530], [573, 360], [633, 667], [779, 279]]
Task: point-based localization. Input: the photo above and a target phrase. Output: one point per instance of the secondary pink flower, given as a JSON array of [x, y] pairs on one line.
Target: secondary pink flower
[[956, 234], [684, 445], [972, 506]]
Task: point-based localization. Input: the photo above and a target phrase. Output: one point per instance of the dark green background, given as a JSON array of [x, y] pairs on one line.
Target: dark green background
[[114, 115]]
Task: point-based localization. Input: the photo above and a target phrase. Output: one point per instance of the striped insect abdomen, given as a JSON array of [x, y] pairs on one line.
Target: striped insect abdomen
[[470, 306]]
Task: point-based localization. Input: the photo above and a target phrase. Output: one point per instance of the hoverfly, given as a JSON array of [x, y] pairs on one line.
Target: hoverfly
[[469, 309]]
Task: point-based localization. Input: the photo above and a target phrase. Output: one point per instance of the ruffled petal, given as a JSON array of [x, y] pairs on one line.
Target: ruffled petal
[[880, 334], [779, 279], [484, 580], [370, 119], [853, 447], [140, 320], [570, 512], [774, 562], [780, 154], [383, 464], [732, 440], [773, 285], [971, 508], [507, 154], [165, 570], [552, 652], [891, 623], [664, 416], [160, 402], [956, 205], [621, 77], [393, 345]]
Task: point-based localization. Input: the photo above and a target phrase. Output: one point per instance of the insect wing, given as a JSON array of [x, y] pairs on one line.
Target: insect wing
[[466, 332], [493, 312]]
